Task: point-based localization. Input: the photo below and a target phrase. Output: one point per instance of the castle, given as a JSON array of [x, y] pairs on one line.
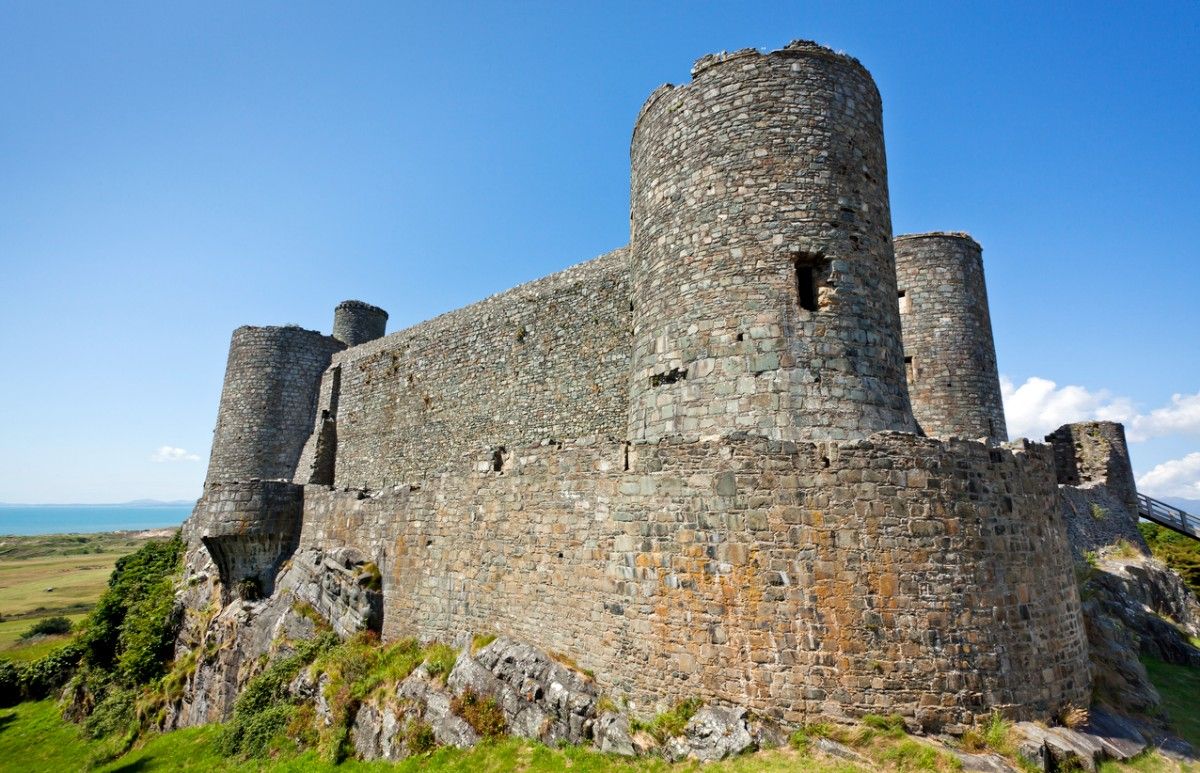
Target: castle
[[757, 456]]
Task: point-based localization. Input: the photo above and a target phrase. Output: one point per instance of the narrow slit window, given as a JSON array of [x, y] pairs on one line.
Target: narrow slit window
[[905, 301], [910, 371], [806, 287]]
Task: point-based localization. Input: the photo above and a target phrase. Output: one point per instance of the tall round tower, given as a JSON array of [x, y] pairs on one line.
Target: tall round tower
[[355, 322], [762, 276], [268, 402], [949, 356]]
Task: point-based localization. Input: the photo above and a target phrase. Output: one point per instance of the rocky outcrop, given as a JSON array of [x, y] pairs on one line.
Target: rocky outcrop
[[713, 733], [234, 641]]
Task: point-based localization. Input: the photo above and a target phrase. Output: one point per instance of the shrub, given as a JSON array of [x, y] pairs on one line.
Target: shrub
[[440, 660], [418, 737], [257, 714], [481, 713], [10, 684], [42, 677], [48, 626], [481, 640], [1177, 551], [113, 714], [135, 614], [670, 723]]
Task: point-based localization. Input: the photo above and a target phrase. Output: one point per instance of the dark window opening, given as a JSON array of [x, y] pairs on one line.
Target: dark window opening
[[741, 336], [910, 371], [905, 302], [811, 273], [670, 377], [806, 287], [498, 459]]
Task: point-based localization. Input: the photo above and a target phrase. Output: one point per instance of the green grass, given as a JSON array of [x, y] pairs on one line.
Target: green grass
[[34, 738], [49, 545], [76, 566], [1178, 686], [1176, 551]]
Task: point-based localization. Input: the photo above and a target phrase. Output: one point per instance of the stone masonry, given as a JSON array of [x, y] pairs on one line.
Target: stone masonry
[[949, 356], [690, 464]]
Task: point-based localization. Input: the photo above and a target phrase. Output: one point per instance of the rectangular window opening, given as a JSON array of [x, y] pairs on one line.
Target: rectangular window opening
[[905, 301], [910, 371]]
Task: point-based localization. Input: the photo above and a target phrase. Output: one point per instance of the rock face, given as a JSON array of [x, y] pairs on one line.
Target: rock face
[[316, 588], [540, 697], [713, 733], [1136, 606]]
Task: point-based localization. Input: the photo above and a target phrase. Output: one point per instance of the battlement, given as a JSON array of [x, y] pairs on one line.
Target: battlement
[[797, 48]]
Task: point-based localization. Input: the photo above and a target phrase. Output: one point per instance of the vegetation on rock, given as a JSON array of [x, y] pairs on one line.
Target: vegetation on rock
[[1176, 551]]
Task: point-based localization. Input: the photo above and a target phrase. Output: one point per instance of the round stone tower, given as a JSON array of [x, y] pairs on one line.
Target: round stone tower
[[268, 402], [763, 281], [949, 356], [355, 322]]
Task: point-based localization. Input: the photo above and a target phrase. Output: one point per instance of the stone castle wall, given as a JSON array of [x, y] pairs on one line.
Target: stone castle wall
[[950, 358], [689, 464], [267, 402], [548, 359], [760, 189], [894, 573]]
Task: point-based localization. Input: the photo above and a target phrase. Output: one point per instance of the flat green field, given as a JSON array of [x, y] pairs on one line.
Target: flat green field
[[51, 575]]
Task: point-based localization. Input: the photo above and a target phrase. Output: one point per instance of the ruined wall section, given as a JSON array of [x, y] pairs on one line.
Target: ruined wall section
[[762, 272], [894, 573], [546, 360], [949, 354], [268, 402], [1095, 476]]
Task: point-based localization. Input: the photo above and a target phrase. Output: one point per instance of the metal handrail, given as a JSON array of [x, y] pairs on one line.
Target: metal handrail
[[1168, 515]]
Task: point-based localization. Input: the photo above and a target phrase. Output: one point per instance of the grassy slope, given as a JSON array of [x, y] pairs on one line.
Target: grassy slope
[[76, 566], [1179, 687], [34, 738]]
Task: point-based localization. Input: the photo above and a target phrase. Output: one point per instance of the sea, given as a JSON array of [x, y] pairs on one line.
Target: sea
[[86, 519]]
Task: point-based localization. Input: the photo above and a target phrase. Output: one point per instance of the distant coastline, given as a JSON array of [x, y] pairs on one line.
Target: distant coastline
[[26, 520], [131, 503]]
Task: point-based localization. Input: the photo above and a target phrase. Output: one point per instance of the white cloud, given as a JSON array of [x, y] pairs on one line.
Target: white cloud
[[1040, 406], [1174, 478], [173, 454], [1181, 417]]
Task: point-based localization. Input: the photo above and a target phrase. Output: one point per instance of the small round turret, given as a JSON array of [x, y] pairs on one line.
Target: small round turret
[[949, 356], [761, 268], [355, 322]]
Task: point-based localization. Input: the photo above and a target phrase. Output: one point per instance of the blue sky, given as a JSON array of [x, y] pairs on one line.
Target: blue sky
[[171, 171]]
